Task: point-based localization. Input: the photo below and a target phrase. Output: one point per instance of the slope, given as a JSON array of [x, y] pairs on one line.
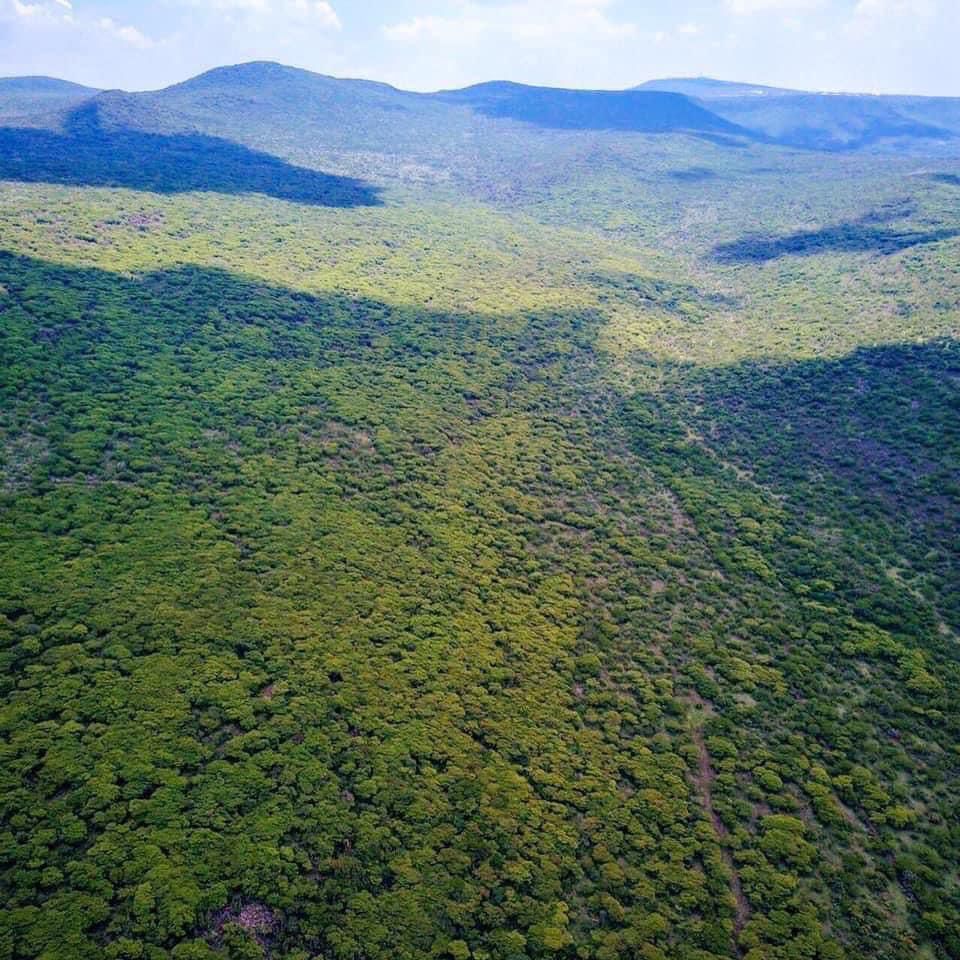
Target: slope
[[565, 570]]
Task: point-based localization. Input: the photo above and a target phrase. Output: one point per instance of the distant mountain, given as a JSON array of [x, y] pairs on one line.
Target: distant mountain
[[370, 130], [303, 116], [625, 110], [271, 106], [263, 87], [484, 137], [939, 111], [360, 112], [822, 121], [27, 96], [837, 121], [706, 88]]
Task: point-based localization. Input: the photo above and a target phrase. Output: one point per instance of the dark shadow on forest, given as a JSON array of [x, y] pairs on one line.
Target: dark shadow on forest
[[869, 441], [99, 329], [856, 237], [693, 175], [175, 305], [631, 111], [740, 141], [89, 154], [875, 413]]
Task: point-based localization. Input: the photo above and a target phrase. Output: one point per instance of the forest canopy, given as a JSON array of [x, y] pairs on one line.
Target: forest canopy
[[544, 548]]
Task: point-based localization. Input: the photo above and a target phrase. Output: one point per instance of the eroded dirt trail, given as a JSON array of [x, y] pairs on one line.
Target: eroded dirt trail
[[703, 778]]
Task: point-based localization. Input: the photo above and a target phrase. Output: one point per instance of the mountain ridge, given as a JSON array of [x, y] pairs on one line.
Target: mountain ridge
[[265, 102]]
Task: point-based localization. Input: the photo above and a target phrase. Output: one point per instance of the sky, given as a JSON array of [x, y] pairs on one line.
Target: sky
[[871, 46]]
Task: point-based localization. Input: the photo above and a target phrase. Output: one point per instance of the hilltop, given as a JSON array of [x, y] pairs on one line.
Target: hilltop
[[267, 104]]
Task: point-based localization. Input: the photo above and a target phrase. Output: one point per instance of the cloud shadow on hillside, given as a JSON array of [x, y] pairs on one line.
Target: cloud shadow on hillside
[[88, 154], [692, 175], [856, 237], [625, 111], [868, 435]]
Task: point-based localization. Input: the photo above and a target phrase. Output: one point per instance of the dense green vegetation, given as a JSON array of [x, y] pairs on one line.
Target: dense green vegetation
[[519, 560]]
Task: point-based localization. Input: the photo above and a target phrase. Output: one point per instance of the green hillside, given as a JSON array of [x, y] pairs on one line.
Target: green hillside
[[439, 526]]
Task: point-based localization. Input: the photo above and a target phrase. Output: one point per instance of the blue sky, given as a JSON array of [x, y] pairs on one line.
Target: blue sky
[[908, 46]]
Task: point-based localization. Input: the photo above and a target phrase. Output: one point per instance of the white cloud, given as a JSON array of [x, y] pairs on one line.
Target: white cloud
[[317, 12], [744, 7], [437, 28], [891, 20], [124, 32], [33, 11], [689, 29], [523, 22], [58, 16], [882, 9], [261, 6], [565, 42]]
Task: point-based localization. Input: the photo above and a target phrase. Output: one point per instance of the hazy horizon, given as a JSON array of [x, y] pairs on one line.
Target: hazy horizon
[[740, 81]]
